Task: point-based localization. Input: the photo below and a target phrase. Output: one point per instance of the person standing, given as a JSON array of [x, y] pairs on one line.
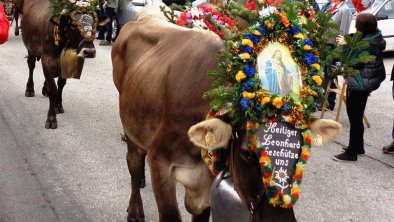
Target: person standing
[[342, 16], [109, 7], [361, 85], [4, 24], [390, 148]]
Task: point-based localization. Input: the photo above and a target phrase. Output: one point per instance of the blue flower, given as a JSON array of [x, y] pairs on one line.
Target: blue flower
[[245, 104], [262, 29], [308, 42], [253, 38], [246, 49], [310, 58], [249, 70], [286, 107], [295, 30], [248, 86]]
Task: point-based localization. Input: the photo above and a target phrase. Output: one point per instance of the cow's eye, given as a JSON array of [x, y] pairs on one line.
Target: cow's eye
[[246, 153]]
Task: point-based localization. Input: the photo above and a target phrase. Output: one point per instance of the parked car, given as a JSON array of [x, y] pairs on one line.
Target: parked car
[[384, 12], [126, 11]]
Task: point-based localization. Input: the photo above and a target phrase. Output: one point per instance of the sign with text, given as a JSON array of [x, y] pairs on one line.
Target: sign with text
[[283, 144], [86, 23]]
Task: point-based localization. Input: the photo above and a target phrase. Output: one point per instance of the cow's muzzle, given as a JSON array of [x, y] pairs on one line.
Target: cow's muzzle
[[86, 49]]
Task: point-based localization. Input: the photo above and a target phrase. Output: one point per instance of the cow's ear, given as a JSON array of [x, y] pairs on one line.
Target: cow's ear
[[210, 133], [324, 131]]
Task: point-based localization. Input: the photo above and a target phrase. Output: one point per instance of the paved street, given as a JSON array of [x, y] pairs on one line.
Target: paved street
[[78, 172]]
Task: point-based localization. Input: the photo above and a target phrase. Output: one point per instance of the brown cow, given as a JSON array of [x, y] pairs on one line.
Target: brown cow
[[160, 71], [38, 37]]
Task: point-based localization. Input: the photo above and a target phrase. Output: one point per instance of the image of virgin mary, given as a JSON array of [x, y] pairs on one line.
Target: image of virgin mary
[[279, 79]]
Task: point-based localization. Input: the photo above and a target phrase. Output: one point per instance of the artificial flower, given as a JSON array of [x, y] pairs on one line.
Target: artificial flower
[[245, 104], [247, 42], [256, 32], [277, 102], [299, 36], [254, 38], [246, 49], [317, 79], [250, 71], [316, 66], [265, 100], [240, 76], [268, 23], [248, 95], [307, 47], [244, 56]]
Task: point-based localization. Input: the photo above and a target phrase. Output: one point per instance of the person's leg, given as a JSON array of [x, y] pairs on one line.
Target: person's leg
[[110, 14], [390, 148], [355, 107]]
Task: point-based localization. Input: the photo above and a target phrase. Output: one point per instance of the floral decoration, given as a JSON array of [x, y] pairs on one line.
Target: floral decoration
[[205, 17]]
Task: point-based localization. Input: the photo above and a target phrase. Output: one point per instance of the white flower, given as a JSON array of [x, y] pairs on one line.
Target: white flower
[[267, 11], [72, 1], [281, 175]]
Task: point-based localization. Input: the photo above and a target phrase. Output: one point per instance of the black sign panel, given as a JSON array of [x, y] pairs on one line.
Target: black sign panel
[[283, 144], [86, 23]]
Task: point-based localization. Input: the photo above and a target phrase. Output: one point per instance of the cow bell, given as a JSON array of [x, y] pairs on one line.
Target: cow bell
[[71, 64], [226, 205]]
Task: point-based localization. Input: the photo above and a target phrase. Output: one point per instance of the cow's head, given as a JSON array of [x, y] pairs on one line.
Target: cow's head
[[243, 163], [77, 30]]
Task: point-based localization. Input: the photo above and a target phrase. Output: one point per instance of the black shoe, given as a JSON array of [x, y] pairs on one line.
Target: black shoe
[[358, 152], [345, 157]]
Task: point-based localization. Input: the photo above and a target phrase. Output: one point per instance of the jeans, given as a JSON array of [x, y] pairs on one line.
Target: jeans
[[108, 12], [392, 92], [355, 107]]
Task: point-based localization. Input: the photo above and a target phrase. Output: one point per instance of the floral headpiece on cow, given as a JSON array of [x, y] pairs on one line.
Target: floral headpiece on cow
[[82, 14], [271, 76]]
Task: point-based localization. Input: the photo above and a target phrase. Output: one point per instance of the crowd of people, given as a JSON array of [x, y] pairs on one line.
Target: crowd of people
[[359, 87]]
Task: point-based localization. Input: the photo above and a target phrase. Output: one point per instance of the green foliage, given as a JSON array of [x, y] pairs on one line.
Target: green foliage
[[61, 7], [348, 56], [169, 14]]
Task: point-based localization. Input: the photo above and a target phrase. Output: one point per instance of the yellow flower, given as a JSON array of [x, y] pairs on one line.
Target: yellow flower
[[316, 66], [274, 201], [268, 23], [264, 159], [240, 76], [299, 170], [307, 47], [247, 42], [286, 199], [248, 95], [265, 100], [255, 32], [244, 56], [299, 36], [317, 79], [277, 102], [295, 190]]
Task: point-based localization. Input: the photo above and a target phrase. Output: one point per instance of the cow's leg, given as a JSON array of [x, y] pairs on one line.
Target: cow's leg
[[44, 90], [60, 85], [134, 163], [51, 122], [31, 62], [164, 189], [16, 17]]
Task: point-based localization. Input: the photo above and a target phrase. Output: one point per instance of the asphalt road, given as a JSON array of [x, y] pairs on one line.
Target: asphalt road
[[78, 172]]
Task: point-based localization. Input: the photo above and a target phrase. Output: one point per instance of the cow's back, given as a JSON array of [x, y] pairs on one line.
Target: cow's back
[[160, 70], [37, 30]]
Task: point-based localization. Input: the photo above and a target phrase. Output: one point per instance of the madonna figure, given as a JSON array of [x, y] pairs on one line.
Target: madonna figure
[[279, 78]]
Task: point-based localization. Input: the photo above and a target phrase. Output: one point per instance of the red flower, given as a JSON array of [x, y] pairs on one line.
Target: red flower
[[250, 5]]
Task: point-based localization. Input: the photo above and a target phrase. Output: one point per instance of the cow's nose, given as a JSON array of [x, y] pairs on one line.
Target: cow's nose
[[89, 53]]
